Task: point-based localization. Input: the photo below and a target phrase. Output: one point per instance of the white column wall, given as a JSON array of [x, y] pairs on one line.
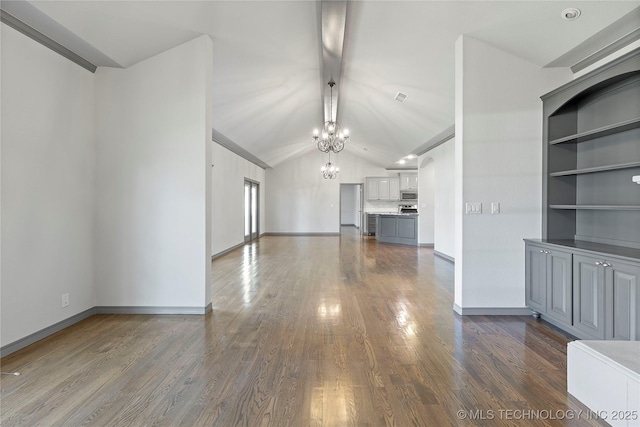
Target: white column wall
[[153, 127], [48, 158], [498, 150], [227, 218]]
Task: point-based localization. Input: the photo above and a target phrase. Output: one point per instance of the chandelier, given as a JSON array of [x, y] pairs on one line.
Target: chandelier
[[330, 171], [333, 136]]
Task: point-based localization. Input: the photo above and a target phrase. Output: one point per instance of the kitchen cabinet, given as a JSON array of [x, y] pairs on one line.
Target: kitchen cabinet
[[589, 298], [605, 300], [582, 288], [401, 229], [382, 188], [408, 181], [548, 282], [394, 189], [372, 188]]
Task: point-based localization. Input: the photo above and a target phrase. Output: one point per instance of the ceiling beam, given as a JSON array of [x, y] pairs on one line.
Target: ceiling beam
[[333, 24]]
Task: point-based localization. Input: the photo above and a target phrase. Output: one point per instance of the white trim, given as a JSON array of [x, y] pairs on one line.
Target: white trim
[[492, 311]]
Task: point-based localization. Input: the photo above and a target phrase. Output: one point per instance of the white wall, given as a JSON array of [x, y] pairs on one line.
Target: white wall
[[227, 216], [426, 204], [498, 149], [48, 156], [299, 200], [153, 179]]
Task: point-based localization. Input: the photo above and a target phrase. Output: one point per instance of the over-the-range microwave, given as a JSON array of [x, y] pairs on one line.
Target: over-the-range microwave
[[408, 195]]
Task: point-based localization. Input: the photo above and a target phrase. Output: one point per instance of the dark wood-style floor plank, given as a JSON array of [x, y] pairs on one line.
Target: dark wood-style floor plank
[[305, 331]]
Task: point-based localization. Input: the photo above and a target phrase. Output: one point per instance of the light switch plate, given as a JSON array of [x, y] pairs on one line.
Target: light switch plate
[[473, 208], [495, 207]]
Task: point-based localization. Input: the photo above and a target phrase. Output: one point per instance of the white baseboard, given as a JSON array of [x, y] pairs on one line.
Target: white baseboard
[[444, 256], [492, 311]]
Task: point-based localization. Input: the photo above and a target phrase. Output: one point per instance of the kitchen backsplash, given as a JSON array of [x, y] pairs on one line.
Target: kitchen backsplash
[[381, 206]]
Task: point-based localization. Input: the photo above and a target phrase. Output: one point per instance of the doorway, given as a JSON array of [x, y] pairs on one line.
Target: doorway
[[251, 210], [351, 205]]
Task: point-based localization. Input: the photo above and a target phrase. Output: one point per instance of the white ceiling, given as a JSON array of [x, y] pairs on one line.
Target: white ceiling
[[267, 59]]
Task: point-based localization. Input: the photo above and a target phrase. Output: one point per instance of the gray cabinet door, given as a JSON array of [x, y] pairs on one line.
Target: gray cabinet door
[[588, 297], [559, 286], [386, 226], [622, 301], [536, 278], [407, 228]]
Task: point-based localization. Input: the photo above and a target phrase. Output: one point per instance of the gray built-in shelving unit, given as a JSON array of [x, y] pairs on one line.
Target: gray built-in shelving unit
[[583, 275], [591, 153]]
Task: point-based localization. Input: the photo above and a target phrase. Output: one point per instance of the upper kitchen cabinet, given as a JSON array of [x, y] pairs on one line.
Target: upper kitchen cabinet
[[591, 154], [382, 188], [408, 181]]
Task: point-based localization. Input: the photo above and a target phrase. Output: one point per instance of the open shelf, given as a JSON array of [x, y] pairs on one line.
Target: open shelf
[[596, 169], [599, 132], [598, 207]]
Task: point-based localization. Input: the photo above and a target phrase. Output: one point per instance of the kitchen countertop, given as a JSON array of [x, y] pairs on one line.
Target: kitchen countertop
[[390, 213]]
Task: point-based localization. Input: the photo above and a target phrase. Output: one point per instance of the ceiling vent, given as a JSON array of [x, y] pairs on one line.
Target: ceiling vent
[[400, 97]]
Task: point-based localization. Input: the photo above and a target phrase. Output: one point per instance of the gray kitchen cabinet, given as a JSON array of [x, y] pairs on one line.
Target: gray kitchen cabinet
[[623, 299], [401, 229], [589, 302], [606, 298], [549, 283], [536, 278], [583, 289]]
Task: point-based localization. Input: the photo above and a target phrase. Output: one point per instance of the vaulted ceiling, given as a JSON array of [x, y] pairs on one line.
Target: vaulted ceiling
[[268, 81]]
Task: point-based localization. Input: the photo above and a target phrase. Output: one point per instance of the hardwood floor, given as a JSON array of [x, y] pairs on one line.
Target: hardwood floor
[[305, 331]]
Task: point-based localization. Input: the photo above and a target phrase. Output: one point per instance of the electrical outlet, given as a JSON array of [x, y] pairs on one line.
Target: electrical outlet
[[65, 300]]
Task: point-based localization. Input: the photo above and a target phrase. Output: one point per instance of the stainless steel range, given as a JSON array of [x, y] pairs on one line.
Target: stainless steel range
[[408, 209]]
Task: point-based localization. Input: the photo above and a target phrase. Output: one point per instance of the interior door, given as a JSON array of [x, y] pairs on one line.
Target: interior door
[[251, 210]]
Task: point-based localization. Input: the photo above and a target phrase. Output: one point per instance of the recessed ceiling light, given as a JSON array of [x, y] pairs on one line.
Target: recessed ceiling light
[[571, 14], [411, 156], [400, 97], [401, 161]]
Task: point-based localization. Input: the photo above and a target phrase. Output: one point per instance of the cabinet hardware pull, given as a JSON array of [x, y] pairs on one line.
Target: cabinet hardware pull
[[606, 264], [598, 263]]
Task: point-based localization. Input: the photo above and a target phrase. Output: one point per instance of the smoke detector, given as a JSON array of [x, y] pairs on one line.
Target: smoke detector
[[571, 14]]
